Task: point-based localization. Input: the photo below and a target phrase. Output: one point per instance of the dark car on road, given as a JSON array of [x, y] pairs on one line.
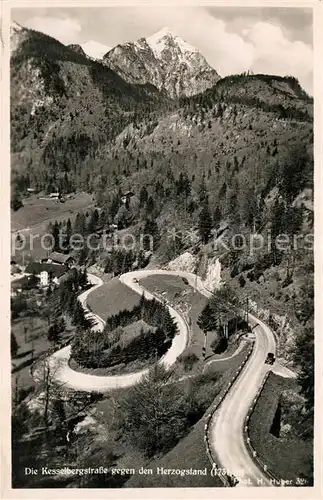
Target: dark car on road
[[270, 360]]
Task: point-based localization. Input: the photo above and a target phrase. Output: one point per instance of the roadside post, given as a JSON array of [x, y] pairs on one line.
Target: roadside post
[[204, 346]]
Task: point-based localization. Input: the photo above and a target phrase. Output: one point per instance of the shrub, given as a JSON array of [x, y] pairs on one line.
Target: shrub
[[188, 360], [219, 345], [154, 413], [242, 281]]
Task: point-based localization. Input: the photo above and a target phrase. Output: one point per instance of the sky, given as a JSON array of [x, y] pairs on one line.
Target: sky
[[264, 40]]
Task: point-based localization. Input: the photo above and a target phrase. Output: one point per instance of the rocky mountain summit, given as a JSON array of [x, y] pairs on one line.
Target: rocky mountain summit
[[163, 60]]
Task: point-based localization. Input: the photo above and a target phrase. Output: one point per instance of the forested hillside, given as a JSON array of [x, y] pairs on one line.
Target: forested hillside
[[233, 152], [63, 107]]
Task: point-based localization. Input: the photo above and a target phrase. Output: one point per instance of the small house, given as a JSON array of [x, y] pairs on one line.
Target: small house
[[17, 286], [64, 259], [47, 273], [125, 198]]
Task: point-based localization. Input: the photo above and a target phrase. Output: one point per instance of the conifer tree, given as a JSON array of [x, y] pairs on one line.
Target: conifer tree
[[13, 345], [143, 196], [55, 233], [93, 222], [205, 223]]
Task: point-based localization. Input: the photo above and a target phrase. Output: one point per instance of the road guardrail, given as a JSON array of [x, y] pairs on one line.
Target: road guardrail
[[251, 449]]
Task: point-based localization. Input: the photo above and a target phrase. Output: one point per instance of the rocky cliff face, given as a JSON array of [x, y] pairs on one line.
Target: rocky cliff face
[[163, 60]]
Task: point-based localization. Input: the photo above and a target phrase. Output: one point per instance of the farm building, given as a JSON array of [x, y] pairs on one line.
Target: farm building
[[60, 258], [46, 273]]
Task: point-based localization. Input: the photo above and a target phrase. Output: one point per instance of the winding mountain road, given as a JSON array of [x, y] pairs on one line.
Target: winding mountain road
[[63, 374], [226, 432], [226, 427]]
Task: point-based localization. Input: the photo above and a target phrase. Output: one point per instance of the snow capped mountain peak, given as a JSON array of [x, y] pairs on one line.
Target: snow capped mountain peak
[[161, 40], [95, 50], [164, 60], [160, 34]]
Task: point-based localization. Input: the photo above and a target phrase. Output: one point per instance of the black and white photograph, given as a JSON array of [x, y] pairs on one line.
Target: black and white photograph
[[162, 247]]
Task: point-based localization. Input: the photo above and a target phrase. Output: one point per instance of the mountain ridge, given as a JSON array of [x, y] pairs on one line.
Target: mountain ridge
[[54, 92], [66, 97]]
